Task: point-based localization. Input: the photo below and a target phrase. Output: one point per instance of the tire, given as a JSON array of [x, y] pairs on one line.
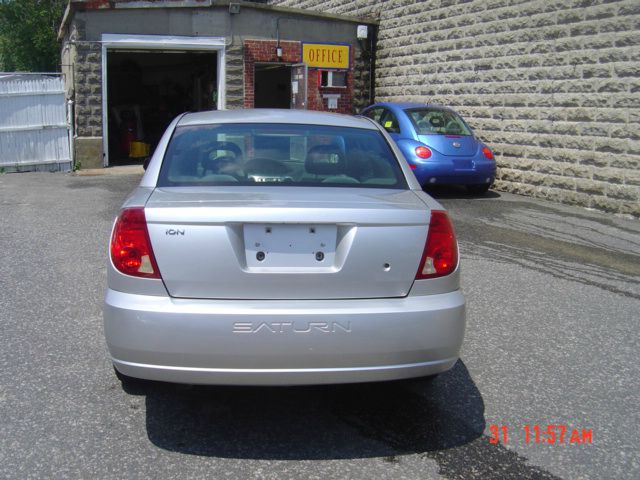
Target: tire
[[478, 189]]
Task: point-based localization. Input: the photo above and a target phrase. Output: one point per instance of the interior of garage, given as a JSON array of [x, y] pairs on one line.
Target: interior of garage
[[147, 89]]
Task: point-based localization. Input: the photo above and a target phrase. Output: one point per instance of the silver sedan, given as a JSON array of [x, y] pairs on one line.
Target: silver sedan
[[278, 247]]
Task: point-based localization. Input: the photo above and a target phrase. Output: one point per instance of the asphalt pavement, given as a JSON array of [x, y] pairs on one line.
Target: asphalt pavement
[[552, 340]]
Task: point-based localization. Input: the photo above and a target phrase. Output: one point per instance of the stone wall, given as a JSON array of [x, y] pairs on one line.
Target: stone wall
[[88, 89], [552, 87], [235, 76], [88, 105]]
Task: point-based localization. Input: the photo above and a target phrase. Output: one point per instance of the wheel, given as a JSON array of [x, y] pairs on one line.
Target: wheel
[[478, 189]]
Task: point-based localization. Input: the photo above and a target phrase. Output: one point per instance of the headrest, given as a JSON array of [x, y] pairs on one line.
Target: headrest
[[228, 146], [325, 160]]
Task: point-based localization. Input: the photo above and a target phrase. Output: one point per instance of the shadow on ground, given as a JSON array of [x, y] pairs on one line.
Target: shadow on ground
[[441, 420], [319, 422], [458, 192]]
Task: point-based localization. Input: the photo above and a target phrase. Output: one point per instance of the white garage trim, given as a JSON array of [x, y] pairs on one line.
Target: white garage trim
[[158, 42]]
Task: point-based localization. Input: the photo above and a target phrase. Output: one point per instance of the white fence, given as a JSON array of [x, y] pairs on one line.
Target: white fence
[[34, 126]]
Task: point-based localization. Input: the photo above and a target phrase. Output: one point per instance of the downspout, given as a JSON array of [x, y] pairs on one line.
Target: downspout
[[372, 63]]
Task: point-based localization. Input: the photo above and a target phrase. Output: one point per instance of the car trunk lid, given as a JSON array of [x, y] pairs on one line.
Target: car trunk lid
[[286, 242], [451, 145]]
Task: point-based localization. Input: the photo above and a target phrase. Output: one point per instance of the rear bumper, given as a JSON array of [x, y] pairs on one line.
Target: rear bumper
[[237, 342], [444, 173]]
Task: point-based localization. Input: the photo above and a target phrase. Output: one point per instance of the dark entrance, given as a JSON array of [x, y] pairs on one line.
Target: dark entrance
[[148, 89], [272, 86]]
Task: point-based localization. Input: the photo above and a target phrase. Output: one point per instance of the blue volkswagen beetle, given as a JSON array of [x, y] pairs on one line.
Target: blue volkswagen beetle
[[439, 146]]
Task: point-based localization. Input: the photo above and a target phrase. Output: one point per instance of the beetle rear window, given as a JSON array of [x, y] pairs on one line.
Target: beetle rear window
[[432, 121], [279, 154]]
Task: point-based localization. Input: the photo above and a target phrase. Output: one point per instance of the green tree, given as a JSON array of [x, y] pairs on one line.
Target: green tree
[[28, 35]]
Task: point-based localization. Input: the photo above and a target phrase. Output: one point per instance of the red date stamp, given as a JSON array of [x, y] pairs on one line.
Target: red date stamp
[[542, 434]]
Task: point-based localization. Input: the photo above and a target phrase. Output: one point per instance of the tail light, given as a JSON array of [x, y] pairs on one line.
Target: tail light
[[440, 256], [487, 153], [131, 251], [423, 152]]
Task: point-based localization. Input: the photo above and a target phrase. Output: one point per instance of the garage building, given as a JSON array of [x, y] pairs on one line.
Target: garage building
[[132, 66]]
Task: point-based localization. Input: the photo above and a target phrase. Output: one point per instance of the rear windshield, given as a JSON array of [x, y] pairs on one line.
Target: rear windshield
[[279, 154], [431, 121]]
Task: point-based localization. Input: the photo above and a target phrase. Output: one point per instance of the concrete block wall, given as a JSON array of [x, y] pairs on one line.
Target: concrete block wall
[[88, 89], [235, 76], [87, 83], [552, 87]]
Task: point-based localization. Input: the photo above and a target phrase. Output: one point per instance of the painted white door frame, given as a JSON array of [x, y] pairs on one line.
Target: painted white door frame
[[157, 42]]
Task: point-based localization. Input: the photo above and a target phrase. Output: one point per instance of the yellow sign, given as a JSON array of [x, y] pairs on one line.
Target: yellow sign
[[326, 55]]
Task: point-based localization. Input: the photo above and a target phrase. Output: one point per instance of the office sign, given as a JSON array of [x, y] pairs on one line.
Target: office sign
[[326, 55]]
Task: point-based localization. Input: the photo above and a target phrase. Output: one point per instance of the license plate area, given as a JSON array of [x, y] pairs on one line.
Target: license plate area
[[463, 164], [293, 247]]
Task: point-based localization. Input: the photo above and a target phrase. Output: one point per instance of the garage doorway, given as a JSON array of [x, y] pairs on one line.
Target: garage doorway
[[147, 81], [272, 85], [147, 90]]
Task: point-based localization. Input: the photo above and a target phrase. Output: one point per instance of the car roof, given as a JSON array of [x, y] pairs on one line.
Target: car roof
[[268, 115], [410, 105]]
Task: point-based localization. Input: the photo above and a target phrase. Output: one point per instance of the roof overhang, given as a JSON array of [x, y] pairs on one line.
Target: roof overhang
[[89, 5]]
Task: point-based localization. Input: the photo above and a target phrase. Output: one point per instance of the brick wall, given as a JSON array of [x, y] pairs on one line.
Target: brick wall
[[318, 102], [553, 87], [265, 51]]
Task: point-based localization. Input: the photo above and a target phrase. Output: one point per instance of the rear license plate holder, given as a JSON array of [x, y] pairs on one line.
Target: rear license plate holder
[[289, 246], [463, 164]]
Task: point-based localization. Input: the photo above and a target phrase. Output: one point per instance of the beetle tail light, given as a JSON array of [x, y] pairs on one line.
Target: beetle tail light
[[440, 256], [487, 153], [423, 152], [131, 251]]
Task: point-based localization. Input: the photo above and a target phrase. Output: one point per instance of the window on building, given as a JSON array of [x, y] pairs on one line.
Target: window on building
[[332, 78]]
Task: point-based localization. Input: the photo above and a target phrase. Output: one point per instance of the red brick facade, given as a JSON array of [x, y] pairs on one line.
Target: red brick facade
[[264, 51]]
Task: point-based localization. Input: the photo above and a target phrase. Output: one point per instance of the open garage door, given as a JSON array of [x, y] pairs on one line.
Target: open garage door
[[150, 79], [146, 90]]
